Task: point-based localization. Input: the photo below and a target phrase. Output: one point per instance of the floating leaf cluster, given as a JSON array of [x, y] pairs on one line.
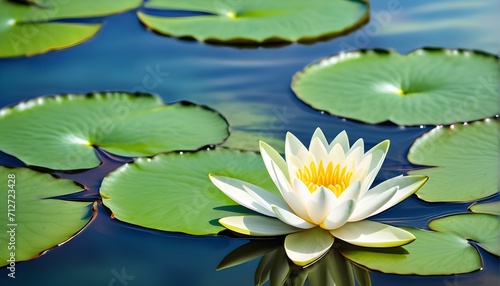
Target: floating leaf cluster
[[61, 132], [27, 27], [170, 179], [177, 183]]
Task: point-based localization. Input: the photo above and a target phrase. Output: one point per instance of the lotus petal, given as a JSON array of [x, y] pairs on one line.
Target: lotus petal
[[234, 189], [318, 134], [407, 186], [320, 204], [371, 204], [256, 225], [306, 246], [317, 148], [269, 154], [291, 218], [342, 140], [372, 234], [339, 216]]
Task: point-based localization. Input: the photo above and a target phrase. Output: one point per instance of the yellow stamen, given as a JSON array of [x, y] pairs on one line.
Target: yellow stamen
[[335, 179]]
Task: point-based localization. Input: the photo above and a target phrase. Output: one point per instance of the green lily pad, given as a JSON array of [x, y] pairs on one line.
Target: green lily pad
[[432, 253], [482, 228], [25, 28], [466, 156], [172, 192], [60, 132], [427, 86], [486, 208], [32, 222], [258, 21]]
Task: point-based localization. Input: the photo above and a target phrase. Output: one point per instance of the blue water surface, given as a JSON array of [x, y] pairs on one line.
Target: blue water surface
[[250, 87]]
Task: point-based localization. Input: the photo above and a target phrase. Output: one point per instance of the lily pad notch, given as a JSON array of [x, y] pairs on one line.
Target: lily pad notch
[[484, 229], [38, 219], [60, 132], [492, 208], [376, 86], [248, 22]]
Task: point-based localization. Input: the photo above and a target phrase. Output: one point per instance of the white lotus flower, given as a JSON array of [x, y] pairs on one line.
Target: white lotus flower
[[325, 194]]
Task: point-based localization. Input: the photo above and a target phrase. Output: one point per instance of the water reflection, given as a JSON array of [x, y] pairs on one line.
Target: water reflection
[[447, 23], [274, 266]]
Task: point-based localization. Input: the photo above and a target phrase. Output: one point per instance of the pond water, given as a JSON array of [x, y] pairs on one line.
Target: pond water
[[250, 87]]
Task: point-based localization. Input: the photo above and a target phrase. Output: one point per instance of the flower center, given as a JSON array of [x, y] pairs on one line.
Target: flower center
[[335, 179]]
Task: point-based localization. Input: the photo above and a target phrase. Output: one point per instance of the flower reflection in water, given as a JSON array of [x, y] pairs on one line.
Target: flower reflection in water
[[274, 266]]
